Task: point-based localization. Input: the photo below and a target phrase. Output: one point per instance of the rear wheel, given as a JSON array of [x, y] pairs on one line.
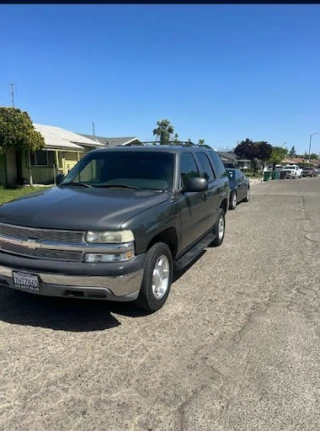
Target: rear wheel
[[247, 198], [157, 278], [219, 229], [233, 201]]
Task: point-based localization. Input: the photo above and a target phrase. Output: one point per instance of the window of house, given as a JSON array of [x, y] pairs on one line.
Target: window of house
[[41, 158]]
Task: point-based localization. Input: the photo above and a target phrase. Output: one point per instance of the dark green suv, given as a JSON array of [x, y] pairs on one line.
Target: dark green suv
[[117, 226]]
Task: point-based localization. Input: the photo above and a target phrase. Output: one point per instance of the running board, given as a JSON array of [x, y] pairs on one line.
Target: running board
[[194, 251]]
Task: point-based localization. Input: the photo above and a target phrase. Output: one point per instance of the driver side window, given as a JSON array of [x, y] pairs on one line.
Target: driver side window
[[188, 168]]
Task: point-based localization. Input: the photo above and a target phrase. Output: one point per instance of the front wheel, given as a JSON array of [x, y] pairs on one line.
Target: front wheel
[[219, 229], [157, 278]]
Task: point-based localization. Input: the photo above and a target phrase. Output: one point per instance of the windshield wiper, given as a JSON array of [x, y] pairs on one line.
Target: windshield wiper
[[73, 183], [124, 186]]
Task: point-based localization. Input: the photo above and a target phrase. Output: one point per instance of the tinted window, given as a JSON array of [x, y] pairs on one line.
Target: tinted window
[[188, 168], [206, 166], [219, 166], [141, 169]]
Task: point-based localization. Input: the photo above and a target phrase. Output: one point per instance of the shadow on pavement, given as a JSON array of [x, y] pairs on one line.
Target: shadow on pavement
[[74, 315], [62, 314]]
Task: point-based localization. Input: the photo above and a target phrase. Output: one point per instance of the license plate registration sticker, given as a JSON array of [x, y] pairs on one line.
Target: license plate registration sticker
[[24, 280]]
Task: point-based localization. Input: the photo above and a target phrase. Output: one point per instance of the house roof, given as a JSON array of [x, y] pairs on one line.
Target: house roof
[[226, 156], [53, 141], [230, 156], [61, 138], [112, 142]]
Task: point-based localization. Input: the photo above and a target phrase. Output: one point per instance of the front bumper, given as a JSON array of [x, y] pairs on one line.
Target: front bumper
[[121, 288]]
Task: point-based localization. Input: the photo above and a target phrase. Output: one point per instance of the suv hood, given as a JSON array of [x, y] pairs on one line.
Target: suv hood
[[74, 208]]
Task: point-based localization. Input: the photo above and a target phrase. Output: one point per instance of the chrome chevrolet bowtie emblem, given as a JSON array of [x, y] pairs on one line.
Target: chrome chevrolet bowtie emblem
[[31, 243]]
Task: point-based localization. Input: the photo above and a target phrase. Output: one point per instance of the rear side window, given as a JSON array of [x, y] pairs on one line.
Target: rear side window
[[206, 166], [188, 168], [219, 166]]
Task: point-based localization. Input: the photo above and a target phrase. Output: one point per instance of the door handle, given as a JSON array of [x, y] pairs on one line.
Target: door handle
[[219, 189], [204, 197]]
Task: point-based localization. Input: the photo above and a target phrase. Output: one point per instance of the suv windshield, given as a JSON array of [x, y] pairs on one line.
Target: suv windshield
[[137, 170]]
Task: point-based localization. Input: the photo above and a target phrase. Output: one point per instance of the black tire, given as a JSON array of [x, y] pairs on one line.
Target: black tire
[[233, 201], [147, 300], [247, 198], [219, 239]]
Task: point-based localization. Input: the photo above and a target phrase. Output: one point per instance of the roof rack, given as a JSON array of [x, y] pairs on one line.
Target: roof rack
[[178, 143]]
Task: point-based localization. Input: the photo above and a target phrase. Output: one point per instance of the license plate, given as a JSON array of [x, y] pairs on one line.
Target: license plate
[[24, 280]]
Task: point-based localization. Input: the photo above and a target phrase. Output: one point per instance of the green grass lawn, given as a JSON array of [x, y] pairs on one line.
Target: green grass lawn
[[7, 195]]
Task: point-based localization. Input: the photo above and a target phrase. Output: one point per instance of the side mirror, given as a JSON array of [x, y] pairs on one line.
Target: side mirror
[[196, 184], [59, 179]]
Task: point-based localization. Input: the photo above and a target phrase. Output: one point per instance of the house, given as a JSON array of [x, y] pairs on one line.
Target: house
[[113, 142], [61, 152], [230, 160]]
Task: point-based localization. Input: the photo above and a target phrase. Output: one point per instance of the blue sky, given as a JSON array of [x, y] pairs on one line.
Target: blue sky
[[218, 72]]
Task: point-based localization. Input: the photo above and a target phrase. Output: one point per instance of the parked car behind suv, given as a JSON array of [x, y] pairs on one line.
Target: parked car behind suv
[[309, 172], [117, 226], [239, 187]]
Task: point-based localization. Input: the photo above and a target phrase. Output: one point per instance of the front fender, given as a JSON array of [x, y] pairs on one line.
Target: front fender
[[152, 222]]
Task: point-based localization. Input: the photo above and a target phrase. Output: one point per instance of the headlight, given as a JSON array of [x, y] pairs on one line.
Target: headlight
[[109, 237], [103, 257]]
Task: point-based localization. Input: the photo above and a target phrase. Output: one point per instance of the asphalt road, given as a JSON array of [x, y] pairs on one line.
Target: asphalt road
[[236, 347]]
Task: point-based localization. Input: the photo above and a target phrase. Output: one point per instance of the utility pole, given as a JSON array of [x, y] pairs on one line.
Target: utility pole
[[12, 94], [93, 129], [316, 133]]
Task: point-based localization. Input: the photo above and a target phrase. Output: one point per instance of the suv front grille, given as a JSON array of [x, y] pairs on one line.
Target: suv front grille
[[41, 253], [12, 237], [25, 233]]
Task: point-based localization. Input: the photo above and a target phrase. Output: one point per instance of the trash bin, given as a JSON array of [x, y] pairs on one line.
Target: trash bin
[[267, 175], [275, 175]]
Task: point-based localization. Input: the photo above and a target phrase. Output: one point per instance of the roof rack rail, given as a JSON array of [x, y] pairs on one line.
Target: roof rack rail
[[177, 143]]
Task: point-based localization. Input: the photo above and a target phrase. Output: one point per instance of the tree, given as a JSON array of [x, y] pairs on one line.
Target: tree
[[247, 150], [264, 151], [254, 151], [277, 155], [18, 133], [176, 140], [201, 142], [292, 152], [164, 131], [313, 156]]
